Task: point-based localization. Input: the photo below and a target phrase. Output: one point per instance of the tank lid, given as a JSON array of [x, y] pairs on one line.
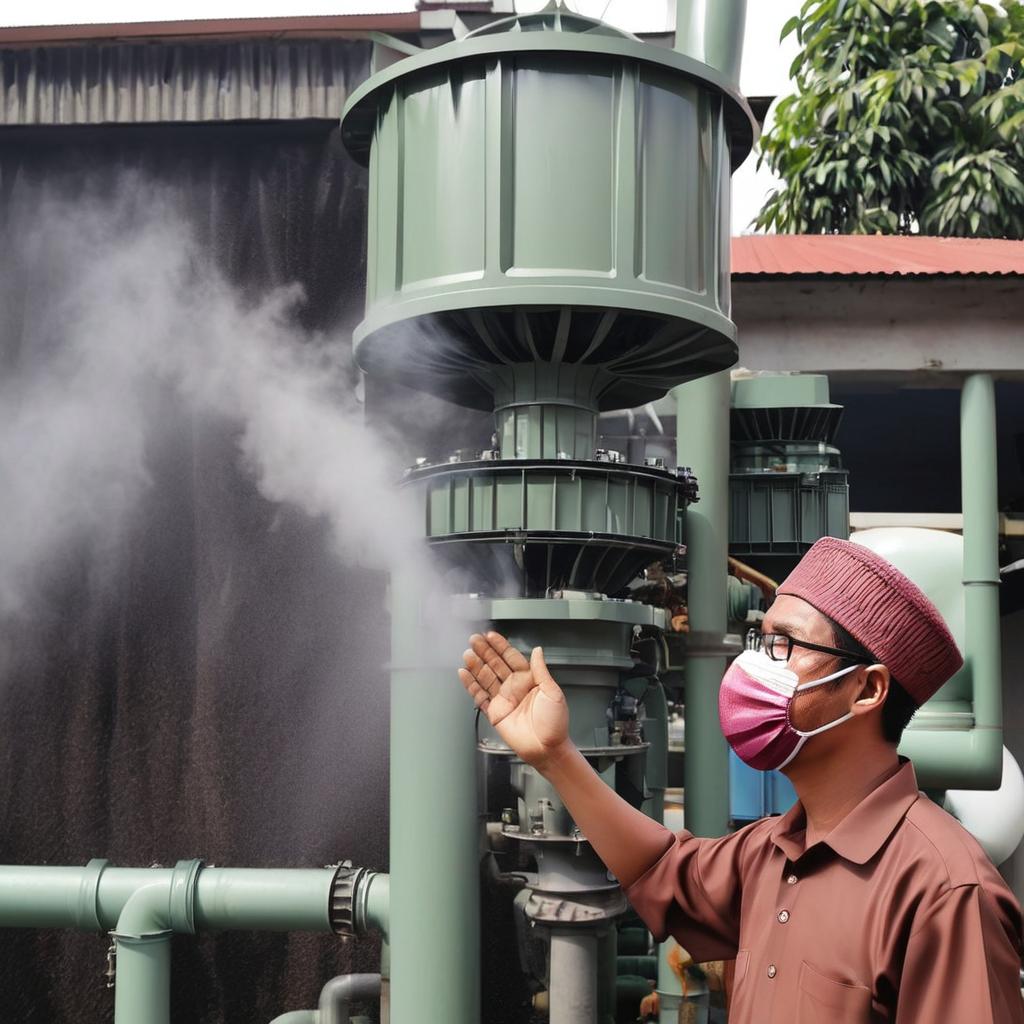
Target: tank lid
[[552, 31], [553, 18]]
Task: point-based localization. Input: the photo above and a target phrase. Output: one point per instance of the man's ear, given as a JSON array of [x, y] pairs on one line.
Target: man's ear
[[874, 687]]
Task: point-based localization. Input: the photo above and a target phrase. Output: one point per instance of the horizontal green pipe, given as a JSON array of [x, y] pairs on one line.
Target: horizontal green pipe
[[262, 899], [265, 899], [972, 756]]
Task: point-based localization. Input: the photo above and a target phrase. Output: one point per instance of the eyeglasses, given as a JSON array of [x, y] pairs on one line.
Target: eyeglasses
[[779, 647]]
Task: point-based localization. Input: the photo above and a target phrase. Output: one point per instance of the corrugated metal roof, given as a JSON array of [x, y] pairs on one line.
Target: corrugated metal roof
[[168, 82], [319, 26], [865, 255]]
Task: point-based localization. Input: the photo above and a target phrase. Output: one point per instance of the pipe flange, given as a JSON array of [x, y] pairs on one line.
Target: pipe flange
[[346, 890], [87, 910], [183, 896]]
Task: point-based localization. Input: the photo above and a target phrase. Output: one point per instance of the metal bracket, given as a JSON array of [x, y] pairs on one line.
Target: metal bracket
[[111, 972]]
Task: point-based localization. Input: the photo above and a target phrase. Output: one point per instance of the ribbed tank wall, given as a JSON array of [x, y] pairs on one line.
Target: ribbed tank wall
[[521, 174]]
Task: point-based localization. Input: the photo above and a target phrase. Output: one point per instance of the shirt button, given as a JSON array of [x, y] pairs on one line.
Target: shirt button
[[772, 971], [791, 880], [783, 916]]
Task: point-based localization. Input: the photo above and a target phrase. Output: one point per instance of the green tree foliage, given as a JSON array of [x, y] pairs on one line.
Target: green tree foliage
[[908, 116]]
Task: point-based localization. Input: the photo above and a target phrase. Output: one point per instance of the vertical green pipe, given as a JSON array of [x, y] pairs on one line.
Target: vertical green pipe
[[142, 939], [702, 442], [656, 734], [979, 497], [434, 905], [712, 31], [142, 994]]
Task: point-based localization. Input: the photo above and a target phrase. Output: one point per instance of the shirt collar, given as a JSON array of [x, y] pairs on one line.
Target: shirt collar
[[860, 835]]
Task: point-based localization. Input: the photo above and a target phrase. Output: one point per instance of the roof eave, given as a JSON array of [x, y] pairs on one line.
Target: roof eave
[[312, 26]]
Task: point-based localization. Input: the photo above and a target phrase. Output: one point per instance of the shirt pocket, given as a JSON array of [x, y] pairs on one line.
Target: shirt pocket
[[822, 998]]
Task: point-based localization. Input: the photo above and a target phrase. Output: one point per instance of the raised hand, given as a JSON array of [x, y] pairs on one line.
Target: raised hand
[[521, 700]]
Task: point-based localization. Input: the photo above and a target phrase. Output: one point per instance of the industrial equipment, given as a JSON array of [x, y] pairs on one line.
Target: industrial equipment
[[549, 238]]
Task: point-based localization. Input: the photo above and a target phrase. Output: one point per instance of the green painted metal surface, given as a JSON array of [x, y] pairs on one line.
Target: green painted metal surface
[[586, 643], [553, 497], [93, 898], [787, 487], [144, 907], [656, 734], [434, 913], [375, 913], [554, 524], [979, 496], [702, 425], [782, 391], [550, 196], [955, 740], [143, 988], [712, 31], [785, 513], [546, 411]]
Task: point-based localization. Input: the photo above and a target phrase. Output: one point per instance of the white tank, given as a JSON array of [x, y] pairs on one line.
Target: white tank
[[933, 559], [995, 817]]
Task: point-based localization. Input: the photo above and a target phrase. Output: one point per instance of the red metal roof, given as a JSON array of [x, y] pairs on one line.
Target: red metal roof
[[862, 255]]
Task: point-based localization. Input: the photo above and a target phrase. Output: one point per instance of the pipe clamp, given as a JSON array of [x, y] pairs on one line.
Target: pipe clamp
[[87, 909], [182, 902]]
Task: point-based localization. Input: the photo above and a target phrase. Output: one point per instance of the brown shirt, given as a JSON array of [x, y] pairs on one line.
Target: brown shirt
[[896, 915]]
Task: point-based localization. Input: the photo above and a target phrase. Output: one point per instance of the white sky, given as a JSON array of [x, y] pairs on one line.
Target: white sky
[[765, 61]]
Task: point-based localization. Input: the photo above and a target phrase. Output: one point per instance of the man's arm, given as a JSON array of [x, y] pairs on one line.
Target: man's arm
[[962, 962]]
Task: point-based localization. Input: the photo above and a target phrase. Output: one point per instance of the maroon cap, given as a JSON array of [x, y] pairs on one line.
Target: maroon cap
[[881, 609]]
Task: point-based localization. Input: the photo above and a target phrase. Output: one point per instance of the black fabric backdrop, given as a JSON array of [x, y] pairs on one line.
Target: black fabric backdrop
[[218, 690]]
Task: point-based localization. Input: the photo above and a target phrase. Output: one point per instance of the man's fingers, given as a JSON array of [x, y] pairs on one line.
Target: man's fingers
[[486, 653], [480, 696], [543, 677], [510, 655], [483, 674]]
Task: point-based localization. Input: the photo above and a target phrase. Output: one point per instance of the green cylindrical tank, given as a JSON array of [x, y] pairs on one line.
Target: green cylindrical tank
[[548, 190], [787, 484]]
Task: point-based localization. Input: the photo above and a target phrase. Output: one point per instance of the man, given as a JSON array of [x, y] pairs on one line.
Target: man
[[865, 901]]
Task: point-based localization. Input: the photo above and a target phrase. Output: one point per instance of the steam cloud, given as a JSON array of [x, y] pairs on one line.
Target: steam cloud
[[134, 309]]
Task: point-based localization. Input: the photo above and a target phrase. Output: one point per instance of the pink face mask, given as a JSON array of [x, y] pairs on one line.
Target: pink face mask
[[753, 708]]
